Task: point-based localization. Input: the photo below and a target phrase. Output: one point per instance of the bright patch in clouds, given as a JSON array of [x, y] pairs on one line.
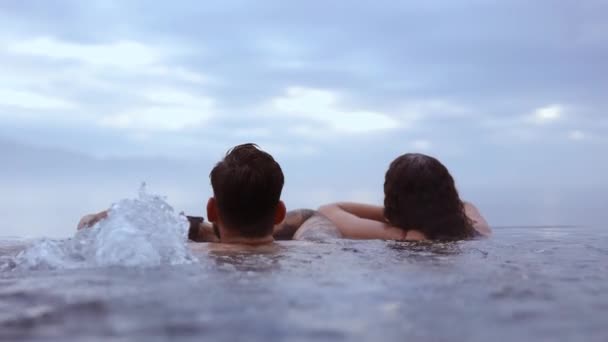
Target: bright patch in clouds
[[155, 119], [126, 56], [547, 114], [118, 69], [323, 107], [169, 110], [174, 97]]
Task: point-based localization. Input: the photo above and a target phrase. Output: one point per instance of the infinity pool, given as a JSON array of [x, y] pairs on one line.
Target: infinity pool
[[524, 284]]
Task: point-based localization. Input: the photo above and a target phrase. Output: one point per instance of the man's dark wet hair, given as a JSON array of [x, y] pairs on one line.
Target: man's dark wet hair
[[420, 194], [247, 187]]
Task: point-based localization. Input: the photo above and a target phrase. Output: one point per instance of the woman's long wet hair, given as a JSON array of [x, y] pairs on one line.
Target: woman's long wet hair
[[420, 194]]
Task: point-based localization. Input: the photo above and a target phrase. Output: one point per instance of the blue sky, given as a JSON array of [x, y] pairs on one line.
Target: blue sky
[[98, 95]]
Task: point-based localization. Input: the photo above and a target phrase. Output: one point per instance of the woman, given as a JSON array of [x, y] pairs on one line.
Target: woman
[[420, 203]]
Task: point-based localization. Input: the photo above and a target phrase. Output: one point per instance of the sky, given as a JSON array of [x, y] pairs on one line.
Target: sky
[[98, 96]]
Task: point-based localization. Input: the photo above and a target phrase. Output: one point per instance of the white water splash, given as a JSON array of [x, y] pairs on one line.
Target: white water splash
[[138, 232]]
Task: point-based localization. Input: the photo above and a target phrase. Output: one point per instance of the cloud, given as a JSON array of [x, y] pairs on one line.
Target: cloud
[[546, 115], [168, 110], [155, 119], [323, 106], [134, 85], [113, 67], [577, 135], [120, 54], [31, 100], [151, 80]]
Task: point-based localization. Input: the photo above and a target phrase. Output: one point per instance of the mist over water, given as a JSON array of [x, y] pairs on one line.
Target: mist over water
[[144, 231]]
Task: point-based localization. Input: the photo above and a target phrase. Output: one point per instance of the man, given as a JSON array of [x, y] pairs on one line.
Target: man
[[246, 206]]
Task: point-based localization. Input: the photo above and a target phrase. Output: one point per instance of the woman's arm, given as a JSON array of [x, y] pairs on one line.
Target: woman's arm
[[364, 211], [479, 222], [361, 221]]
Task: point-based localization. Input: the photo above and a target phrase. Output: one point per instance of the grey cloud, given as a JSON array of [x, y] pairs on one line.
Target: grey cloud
[[488, 54], [484, 48]]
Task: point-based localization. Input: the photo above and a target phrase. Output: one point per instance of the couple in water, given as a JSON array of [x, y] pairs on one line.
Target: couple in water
[[420, 203]]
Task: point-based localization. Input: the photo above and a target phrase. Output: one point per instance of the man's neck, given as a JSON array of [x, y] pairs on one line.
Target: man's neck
[[230, 238]]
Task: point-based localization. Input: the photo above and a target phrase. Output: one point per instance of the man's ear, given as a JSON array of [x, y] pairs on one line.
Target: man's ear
[[212, 214], [279, 215]]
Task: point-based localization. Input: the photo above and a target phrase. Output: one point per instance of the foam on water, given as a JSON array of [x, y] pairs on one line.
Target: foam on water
[[144, 231]]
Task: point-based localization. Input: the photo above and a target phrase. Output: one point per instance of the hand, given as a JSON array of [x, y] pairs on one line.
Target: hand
[[90, 220]]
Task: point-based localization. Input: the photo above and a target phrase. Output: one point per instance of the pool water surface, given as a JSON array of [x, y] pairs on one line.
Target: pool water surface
[[523, 284]]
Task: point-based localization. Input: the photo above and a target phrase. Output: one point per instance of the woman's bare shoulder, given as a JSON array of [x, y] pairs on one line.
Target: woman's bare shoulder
[[479, 222]]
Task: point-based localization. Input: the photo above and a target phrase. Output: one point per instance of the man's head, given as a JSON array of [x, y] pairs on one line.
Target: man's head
[[247, 187]]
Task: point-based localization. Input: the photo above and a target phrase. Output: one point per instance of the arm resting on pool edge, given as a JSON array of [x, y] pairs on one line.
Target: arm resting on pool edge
[[294, 225], [363, 211], [364, 222], [204, 232], [199, 230]]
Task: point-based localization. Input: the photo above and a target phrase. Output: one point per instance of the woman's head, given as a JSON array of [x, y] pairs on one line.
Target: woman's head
[[420, 194]]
